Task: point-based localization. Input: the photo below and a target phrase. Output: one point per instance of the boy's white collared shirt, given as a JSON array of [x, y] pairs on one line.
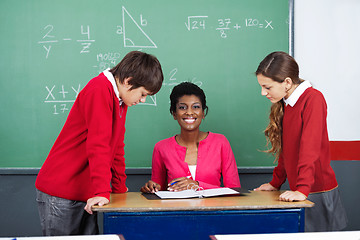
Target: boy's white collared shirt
[[297, 93], [111, 78]]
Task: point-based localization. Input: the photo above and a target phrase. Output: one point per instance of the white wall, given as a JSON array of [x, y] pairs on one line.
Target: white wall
[[327, 49]]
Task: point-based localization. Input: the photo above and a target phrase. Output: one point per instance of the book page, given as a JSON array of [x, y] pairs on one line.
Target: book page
[[181, 194], [191, 193], [217, 192]]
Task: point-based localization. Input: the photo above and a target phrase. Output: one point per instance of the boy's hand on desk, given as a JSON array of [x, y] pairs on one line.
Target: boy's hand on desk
[[93, 201], [150, 187], [181, 184], [266, 187], [290, 196]]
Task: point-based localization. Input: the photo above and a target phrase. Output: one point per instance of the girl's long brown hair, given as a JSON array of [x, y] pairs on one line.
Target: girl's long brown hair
[[277, 66]]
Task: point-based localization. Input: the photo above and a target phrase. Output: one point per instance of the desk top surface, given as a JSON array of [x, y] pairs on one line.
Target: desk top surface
[[136, 202]]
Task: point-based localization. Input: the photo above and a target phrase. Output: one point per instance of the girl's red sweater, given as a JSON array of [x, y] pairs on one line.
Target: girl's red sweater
[[305, 157]]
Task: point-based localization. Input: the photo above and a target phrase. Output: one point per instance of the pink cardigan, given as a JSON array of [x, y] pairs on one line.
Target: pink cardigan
[[215, 158]]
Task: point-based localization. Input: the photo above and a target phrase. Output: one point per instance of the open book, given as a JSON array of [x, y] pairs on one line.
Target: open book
[[190, 193]]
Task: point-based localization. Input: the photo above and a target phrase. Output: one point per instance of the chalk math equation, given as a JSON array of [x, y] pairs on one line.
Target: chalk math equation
[[61, 97], [130, 28], [225, 25], [133, 35], [49, 39]]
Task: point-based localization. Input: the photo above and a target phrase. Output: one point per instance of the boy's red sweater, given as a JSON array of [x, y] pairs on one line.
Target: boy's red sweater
[[88, 154]]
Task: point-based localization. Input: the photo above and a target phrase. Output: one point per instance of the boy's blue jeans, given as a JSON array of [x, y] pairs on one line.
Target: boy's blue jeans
[[59, 216]]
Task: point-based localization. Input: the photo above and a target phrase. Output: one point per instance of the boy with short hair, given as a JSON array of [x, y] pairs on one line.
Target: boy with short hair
[[88, 154]]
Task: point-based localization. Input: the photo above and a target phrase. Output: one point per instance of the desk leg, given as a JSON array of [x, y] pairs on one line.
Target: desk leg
[[302, 220]]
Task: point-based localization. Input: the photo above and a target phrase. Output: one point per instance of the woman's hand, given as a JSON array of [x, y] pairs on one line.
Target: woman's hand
[[181, 184], [150, 187], [291, 196], [266, 187]]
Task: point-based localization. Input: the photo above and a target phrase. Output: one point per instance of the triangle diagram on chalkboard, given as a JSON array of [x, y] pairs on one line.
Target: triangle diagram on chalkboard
[[134, 35]]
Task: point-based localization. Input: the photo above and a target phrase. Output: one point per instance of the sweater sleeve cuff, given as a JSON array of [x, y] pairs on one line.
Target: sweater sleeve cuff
[[275, 184], [105, 195], [304, 190], [119, 189]]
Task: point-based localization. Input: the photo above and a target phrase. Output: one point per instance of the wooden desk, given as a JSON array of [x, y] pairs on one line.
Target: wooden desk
[[136, 217]]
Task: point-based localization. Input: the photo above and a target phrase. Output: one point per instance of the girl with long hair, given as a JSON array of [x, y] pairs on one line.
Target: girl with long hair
[[297, 133]]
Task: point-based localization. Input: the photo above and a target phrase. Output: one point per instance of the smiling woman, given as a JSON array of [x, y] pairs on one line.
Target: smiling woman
[[189, 113], [192, 157]]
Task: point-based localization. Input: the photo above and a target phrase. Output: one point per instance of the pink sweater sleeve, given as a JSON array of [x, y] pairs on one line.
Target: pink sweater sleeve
[[230, 172], [158, 171]]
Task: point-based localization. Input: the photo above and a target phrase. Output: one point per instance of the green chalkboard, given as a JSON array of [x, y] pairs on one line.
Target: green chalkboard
[[51, 49]]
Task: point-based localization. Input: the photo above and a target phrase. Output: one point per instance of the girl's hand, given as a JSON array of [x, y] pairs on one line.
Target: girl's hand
[[266, 187], [181, 184], [291, 196], [150, 187]]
